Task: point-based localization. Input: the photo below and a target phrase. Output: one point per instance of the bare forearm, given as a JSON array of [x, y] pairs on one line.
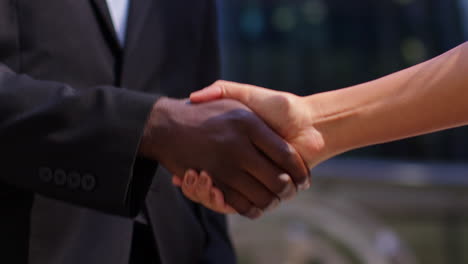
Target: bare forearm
[[427, 97]]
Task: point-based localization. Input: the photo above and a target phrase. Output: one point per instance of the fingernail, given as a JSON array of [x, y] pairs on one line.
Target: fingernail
[[254, 213], [284, 177], [289, 190], [189, 179], [272, 205]]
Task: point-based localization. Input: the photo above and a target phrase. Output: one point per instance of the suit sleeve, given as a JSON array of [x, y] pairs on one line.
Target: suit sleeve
[[76, 146]]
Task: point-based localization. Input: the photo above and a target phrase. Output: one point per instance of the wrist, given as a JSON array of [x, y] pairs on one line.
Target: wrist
[[151, 142], [335, 122]]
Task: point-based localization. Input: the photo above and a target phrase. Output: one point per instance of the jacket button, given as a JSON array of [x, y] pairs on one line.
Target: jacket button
[[60, 177], [45, 174], [73, 180], [88, 182]]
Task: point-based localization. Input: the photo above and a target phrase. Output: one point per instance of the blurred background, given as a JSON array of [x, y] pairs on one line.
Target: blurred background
[[402, 202]]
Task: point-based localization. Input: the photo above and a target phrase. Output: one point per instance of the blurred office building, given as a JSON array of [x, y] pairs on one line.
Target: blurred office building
[[402, 202]]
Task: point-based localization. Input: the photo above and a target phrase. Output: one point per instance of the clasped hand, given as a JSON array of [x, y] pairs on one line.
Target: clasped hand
[[286, 118], [253, 166]]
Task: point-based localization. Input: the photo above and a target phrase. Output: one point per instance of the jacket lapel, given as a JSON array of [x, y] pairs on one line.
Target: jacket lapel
[[136, 19], [103, 14], [144, 49]]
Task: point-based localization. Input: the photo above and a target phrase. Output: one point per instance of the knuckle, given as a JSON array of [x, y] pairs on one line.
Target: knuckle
[[223, 84], [284, 102], [242, 117], [229, 145], [222, 136], [219, 82]]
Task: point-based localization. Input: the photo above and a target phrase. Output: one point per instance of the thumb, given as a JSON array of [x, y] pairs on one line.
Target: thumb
[[209, 93], [176, 181], [223, 89]]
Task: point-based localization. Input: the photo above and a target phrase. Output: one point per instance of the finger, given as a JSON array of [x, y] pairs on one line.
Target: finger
[[208, 94], [252, 189], [216, 197], [189, 183], [280, 152], [225, 89], [268, 104], [274, 178], [240, 203], [203, 190], [219, 202], [176, 181], [272, 145], [208, 195], [200, 192]]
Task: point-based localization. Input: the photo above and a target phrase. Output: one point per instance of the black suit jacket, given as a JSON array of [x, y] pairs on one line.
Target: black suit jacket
[[73, 105]]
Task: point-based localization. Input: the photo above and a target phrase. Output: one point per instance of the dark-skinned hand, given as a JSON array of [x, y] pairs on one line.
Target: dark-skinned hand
[[248, 162]]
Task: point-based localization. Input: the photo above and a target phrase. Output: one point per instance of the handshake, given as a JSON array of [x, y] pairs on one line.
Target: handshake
[[253, 147], [241, 148]]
